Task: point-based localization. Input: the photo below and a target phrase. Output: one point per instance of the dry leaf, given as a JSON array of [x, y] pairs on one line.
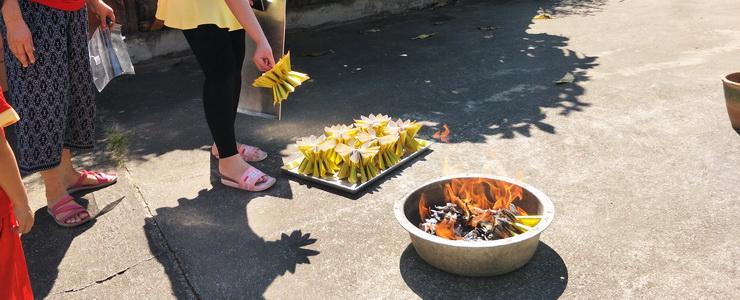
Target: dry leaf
[[319, 53], [488, 36], [424, 36], [438, 23], [567, 78], [487, 28], [542, 16]]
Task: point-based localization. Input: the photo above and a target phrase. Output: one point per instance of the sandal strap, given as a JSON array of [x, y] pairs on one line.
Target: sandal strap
[[249, 152], [83, 176], [100, 177], [251, 177], [65, 200], [66, 208]]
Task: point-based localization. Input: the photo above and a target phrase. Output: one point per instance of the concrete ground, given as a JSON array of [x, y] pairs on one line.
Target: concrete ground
[[637, 154]]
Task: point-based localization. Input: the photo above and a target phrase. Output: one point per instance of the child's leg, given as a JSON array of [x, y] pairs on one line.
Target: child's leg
[[14, 281]]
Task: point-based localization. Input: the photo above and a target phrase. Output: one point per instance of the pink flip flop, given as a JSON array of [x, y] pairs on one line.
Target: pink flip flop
[[66, 209], [103, 180], [248, 153], [249, 181]]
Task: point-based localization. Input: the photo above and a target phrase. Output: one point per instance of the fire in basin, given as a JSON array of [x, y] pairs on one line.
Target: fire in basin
[[475, 225]]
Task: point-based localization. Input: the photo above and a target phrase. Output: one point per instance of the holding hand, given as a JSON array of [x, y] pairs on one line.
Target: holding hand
[[263, 58], [103, 11], [24, 215]]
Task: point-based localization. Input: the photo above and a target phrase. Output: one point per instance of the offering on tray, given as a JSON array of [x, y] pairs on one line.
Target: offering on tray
[[358, 161], [375, 122], [318, 156], [358, 152], [281, 79], [341, 133], [406, 131]]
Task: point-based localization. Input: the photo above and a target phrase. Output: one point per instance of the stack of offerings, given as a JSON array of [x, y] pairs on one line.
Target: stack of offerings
[[359, 152]]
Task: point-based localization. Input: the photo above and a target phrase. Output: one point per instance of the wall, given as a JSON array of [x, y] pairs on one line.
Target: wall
[[301, 14]]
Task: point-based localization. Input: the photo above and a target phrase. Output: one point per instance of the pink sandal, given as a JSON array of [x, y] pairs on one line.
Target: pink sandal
[[102, 178], [65, 209], [248, 153], [250, 181]]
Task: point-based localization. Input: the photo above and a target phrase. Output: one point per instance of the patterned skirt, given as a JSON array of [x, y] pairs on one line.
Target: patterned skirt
[[54, 97]]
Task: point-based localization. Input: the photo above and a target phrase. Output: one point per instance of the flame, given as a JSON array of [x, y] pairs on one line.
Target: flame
[[521, 211], [476, 198], [446, 229], [423, 210], [442, 135], [480, 193]]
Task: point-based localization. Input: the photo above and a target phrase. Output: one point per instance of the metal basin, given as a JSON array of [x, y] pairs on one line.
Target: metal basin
[[474, 258]]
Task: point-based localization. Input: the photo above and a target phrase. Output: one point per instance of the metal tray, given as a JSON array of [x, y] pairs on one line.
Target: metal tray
[[335, 183]]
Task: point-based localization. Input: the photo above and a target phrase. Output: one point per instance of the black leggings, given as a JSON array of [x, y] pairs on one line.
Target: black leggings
[[220, 54]]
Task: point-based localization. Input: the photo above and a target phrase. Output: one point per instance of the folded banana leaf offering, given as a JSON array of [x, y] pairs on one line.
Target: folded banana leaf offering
[[357, 153]]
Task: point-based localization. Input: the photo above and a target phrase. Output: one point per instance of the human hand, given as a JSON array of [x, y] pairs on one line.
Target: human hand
[[24, 216], [20, 42], [263, 58], [103, 11]]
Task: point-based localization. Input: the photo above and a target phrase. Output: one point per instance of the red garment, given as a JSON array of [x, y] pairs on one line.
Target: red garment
[[68, 5], [7, 118], [14, 280]]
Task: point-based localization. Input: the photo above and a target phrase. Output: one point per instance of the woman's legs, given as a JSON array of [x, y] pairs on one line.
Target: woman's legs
[[54, 98], [212, 47], [238, 40], [220, 54]]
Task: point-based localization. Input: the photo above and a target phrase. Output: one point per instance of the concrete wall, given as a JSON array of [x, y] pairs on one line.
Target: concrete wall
[[301, 14]]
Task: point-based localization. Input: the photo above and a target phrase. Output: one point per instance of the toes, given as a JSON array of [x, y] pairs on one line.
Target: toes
[[77, 218]]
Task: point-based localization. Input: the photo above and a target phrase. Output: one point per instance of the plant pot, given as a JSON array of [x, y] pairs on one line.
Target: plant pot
[[731, 84]]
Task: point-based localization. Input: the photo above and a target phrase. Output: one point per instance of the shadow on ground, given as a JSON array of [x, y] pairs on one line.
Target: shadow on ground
[[544, 277], [220, 255], [45, 247], [483, 83]]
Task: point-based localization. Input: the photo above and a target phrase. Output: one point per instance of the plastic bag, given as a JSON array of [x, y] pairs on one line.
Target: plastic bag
[[108, 55]]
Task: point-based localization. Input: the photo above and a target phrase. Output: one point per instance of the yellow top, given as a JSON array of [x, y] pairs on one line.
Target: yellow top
[[188, 14]]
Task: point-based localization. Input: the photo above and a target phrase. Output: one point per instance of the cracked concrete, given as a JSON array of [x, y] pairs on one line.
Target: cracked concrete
[[97, 282]]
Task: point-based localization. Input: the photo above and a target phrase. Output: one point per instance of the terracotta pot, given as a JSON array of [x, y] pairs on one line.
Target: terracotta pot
[[731, 83]]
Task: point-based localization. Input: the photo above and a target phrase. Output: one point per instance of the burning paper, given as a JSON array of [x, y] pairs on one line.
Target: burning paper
[[477, 210]]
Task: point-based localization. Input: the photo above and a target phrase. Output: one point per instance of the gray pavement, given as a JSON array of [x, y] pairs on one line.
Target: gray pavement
[[637, 154]]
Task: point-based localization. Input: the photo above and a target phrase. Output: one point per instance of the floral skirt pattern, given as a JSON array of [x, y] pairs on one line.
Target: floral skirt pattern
[[54, 97]]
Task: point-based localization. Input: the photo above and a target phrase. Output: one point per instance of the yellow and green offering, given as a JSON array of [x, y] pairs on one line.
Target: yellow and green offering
[[317, 156], [358, 163], [281, 79], [360, 151]]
